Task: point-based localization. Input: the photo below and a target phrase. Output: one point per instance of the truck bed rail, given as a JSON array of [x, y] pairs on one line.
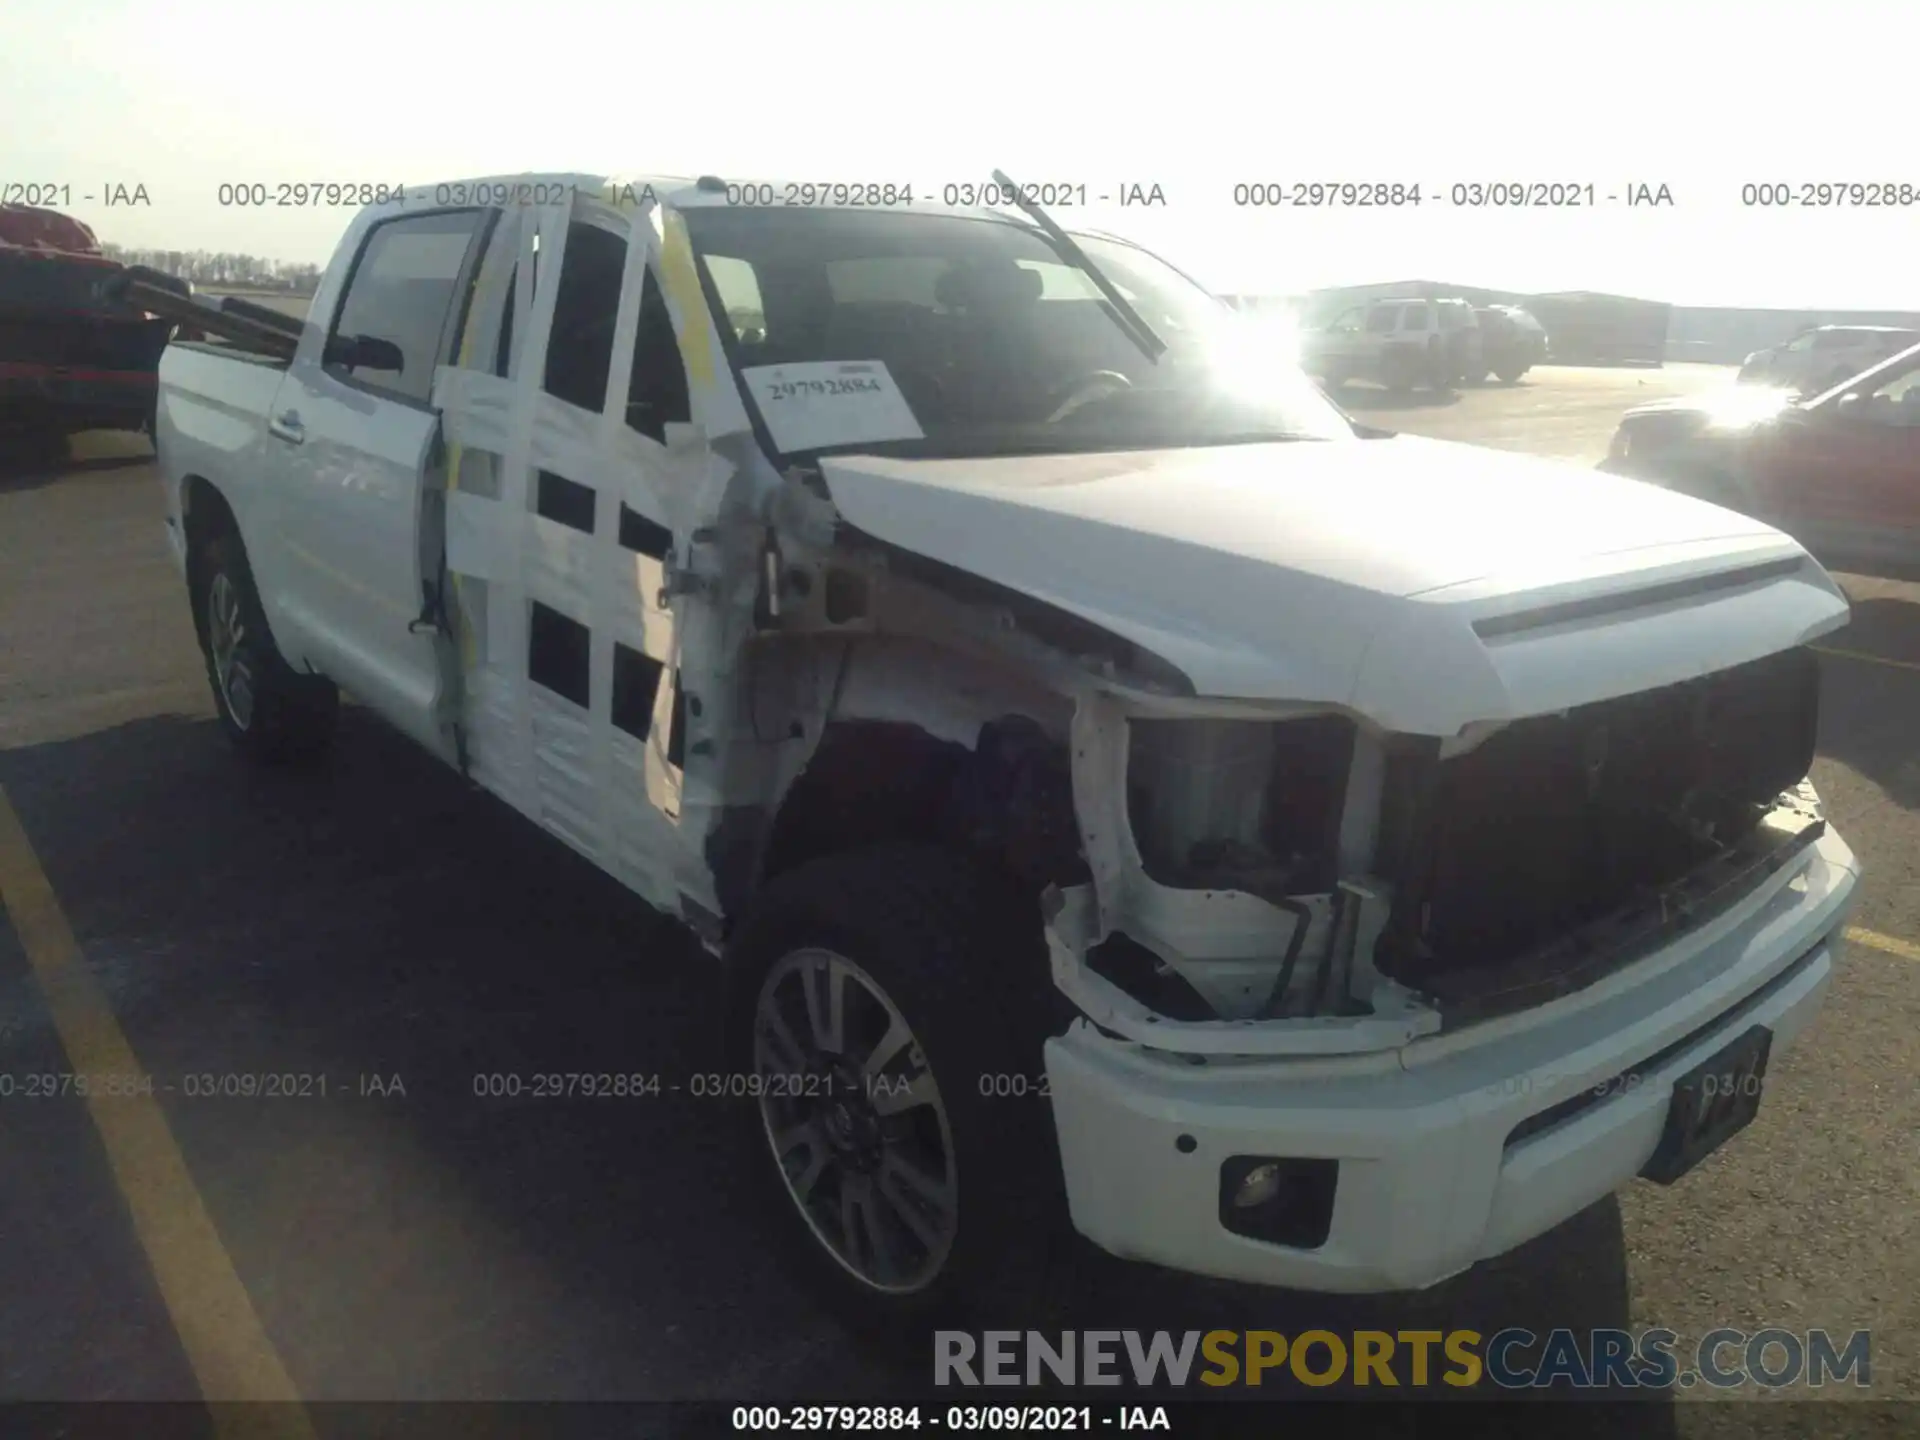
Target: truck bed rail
[[250, 327]]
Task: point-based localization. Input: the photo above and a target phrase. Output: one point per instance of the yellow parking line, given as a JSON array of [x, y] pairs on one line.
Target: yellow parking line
[[1906, 950], [1862, 655], [231, 1356]]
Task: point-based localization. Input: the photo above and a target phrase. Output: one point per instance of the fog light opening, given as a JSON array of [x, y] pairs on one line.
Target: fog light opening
[[1261, 1184], [1277, 1200]]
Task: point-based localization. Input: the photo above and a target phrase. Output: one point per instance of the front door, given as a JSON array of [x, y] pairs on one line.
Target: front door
[[357, 445], [560, 517]]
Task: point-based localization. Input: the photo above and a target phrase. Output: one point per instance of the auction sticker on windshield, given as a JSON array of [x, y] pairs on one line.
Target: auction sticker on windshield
[[818, 403]]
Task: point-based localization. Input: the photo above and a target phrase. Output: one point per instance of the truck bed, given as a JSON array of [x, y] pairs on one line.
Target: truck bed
[[214, 403]]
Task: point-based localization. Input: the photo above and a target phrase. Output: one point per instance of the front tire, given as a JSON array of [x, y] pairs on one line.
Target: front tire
[[889, 1006], [269, 711]]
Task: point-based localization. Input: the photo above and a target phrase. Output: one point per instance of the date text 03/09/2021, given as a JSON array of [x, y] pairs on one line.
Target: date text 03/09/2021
[[199, 1085], [960, 1419], [1461, 194]]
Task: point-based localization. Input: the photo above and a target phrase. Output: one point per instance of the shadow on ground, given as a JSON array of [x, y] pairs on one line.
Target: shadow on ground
[[1363, 399], [1865, 708], [24, 467], [379, 919]]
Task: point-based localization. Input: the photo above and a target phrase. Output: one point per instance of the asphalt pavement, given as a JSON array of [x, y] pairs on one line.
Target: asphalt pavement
[[380, 931]]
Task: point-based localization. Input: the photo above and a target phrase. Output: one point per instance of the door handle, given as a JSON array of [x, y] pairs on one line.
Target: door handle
[[287, 427]]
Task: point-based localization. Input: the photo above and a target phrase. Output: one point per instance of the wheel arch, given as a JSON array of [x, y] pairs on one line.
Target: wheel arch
[[919, 747], [205, 515]]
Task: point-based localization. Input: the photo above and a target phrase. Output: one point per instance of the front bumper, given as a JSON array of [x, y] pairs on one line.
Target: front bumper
[[1429, 1180]]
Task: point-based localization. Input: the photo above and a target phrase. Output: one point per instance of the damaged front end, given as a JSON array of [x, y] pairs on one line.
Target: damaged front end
[[1233, 907], [1308, 884], [1346, 872], [1565, 846]]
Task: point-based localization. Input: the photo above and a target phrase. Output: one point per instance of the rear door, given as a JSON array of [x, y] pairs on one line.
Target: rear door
[[357, 446], [561, 417], [1846, 480], [1416, 325]]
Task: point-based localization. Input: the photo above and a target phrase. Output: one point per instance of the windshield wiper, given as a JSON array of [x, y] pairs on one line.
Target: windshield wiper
[[1137, 329]]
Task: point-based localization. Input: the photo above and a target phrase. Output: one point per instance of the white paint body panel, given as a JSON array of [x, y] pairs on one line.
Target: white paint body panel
[[212, 423], [1351, 572]]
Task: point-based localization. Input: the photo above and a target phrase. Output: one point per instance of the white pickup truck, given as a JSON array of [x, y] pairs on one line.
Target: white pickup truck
[[1118, 786]]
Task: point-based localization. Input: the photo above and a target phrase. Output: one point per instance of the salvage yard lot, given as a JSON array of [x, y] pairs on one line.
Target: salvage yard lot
[[382, 927]]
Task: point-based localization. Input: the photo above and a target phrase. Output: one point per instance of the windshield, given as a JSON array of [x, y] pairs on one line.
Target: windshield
[[945, 335]]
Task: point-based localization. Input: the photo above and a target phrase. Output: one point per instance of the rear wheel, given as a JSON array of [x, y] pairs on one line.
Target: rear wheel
[[1510, 374], [269, 711], [886, 1014]]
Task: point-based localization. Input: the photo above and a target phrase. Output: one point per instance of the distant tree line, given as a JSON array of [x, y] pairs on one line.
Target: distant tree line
[[210, 267]]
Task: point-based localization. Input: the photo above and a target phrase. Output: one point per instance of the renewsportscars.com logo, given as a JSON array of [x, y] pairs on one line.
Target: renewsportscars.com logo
[[1512, 1359]]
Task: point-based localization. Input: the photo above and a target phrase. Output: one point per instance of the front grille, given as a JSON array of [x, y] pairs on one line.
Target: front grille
[[1558, 821]]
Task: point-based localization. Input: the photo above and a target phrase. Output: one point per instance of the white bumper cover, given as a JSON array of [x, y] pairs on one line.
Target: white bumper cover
[[1428, 1183]]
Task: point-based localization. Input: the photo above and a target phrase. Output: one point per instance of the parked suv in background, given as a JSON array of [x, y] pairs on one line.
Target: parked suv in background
[[1400, 343], [1818, 359], [1460, 340], [1512, 342]]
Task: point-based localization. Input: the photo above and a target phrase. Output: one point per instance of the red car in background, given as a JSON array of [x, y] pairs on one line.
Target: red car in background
[[1839, 471], [71, 357]]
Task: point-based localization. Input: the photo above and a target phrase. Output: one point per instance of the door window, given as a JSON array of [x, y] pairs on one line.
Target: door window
[[739, 290], [1382, 318], [657, 389], [1895, 401], [402, 289], [580, 352]]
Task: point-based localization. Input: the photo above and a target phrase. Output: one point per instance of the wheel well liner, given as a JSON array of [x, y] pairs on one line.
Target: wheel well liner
[[204, 515], [1008, 800]]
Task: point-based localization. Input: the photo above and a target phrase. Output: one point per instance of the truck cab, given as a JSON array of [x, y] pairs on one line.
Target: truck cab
[[1122, 792]]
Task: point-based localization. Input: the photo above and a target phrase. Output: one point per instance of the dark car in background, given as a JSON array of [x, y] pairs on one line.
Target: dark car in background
[[1817, 359], [1838, 471], [71, 357], [1512, 342]]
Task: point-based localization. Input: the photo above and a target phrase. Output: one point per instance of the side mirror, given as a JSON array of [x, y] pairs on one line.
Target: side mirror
[[365, 352]]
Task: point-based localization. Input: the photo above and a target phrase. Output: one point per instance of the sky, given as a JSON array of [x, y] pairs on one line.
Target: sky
[[1198, 98]]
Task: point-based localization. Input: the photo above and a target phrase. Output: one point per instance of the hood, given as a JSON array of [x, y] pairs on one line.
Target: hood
[[1364, 573], [1689, 407], [1732, 408]]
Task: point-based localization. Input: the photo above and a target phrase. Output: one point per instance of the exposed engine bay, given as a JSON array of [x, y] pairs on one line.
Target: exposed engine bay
[[1207, 865], [1497, 866]]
